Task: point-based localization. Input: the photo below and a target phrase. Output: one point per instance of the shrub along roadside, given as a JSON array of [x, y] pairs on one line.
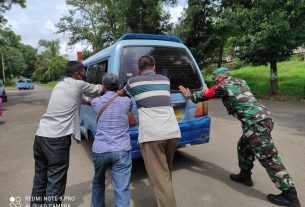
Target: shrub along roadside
[[49, 84]]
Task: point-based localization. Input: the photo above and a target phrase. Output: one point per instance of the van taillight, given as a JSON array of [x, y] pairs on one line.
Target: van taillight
[[131, 119], [201, 109]]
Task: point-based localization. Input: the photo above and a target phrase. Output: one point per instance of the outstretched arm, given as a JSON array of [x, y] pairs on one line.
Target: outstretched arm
[[203, 95]]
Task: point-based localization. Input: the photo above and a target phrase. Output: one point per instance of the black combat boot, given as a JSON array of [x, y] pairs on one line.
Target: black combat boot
[[243, 177], [286, 198]]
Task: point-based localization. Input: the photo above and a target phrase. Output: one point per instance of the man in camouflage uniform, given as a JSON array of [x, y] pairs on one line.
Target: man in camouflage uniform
[[256, 141]]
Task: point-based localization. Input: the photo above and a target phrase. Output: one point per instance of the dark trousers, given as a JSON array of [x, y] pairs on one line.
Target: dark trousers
[[51, 166]]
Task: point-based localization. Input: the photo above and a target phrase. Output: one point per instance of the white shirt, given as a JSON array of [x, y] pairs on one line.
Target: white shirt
[[157, 123], [62, 116]]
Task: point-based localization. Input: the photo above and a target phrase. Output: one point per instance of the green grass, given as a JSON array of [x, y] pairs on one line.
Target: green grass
[[49, 85], [9, 88], [291, 78], [10, 84]]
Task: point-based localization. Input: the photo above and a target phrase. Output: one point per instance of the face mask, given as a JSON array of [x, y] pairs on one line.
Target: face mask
[[84, 77]]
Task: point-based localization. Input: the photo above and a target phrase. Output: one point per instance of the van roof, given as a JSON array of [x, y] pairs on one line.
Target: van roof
[[134, 36]]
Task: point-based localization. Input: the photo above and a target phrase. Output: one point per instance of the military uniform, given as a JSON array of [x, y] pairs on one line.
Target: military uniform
[[257, 124]]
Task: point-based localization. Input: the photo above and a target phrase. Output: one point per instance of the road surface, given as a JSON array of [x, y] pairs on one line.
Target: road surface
[[200, 175]]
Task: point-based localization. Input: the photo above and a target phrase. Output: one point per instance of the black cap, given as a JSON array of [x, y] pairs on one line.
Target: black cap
[[74, 66]]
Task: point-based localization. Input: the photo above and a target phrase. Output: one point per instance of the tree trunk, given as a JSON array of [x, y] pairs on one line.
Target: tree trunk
[[274, 86], [220, 56]]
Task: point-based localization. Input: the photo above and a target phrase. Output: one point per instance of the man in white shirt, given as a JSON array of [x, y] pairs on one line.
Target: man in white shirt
[[53, 137]]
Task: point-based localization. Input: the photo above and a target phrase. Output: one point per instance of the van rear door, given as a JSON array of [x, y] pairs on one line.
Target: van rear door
[[173, 62]]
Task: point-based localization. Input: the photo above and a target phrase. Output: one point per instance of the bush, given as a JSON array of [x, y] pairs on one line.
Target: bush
[[10, 82], [297, 57], [237, 64]]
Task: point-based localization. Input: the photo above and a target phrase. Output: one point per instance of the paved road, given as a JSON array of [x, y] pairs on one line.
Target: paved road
[[200, 176]]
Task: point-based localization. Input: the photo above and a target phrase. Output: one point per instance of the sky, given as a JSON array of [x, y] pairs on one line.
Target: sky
[[37, 21]]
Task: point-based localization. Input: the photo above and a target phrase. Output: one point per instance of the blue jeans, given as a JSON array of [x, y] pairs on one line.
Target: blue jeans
[[120, 164]]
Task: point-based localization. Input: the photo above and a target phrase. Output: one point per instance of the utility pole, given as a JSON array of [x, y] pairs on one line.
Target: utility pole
[[3, 73]]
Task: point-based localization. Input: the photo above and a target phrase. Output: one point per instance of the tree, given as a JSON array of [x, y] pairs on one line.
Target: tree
[[198, 28], [30, 57], [146, 16], [6, 5], [51, 47], [268, 31], [56, 68], [9, 38], [49, 65], [12, 48], [91, 21], [101, 22], [14, 63]]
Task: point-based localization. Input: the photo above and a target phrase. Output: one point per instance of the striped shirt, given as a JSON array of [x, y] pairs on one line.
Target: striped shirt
[[157, 120], [112, 127]]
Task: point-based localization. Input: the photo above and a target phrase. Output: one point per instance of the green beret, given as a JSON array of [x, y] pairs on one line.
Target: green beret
[[220, 71]]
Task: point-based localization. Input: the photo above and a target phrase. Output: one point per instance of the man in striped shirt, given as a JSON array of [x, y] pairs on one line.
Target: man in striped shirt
[[159, 132]]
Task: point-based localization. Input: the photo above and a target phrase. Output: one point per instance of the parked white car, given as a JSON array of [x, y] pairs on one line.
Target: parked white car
[[25, 84]]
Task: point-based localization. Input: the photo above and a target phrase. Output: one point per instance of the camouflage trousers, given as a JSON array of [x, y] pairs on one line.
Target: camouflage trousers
[[256, 142]]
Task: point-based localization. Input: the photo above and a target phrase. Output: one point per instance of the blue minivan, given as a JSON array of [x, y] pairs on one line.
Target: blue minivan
[[174, 60]]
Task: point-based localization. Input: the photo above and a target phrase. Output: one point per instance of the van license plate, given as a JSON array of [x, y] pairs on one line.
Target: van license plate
[[178, 113]]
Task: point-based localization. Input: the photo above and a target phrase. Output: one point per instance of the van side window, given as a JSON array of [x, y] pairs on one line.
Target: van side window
[[96, 72], [91, 72], [101, 70]]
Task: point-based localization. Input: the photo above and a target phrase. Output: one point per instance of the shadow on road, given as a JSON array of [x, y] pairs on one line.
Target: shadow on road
[[142, 193], [79, 191], [186, 161]]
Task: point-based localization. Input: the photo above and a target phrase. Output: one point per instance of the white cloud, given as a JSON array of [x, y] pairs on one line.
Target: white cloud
[[176, 12], [49, 26], [13, 23]]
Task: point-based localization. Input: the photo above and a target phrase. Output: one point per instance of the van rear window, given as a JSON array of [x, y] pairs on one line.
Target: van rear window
[[175, 63]]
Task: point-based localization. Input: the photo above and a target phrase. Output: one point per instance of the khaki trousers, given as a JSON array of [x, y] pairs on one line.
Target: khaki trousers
[[158, 157]]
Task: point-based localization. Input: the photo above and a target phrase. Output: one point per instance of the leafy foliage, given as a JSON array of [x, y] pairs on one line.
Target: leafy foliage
[[8, 37], [13, 61], [203, 30], [49, 65], [101, 22], [19, 59], [6, 5], [268, 31]]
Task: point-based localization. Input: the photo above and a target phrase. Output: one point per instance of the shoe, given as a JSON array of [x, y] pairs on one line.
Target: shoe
[[286, 198], [243, 177]]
